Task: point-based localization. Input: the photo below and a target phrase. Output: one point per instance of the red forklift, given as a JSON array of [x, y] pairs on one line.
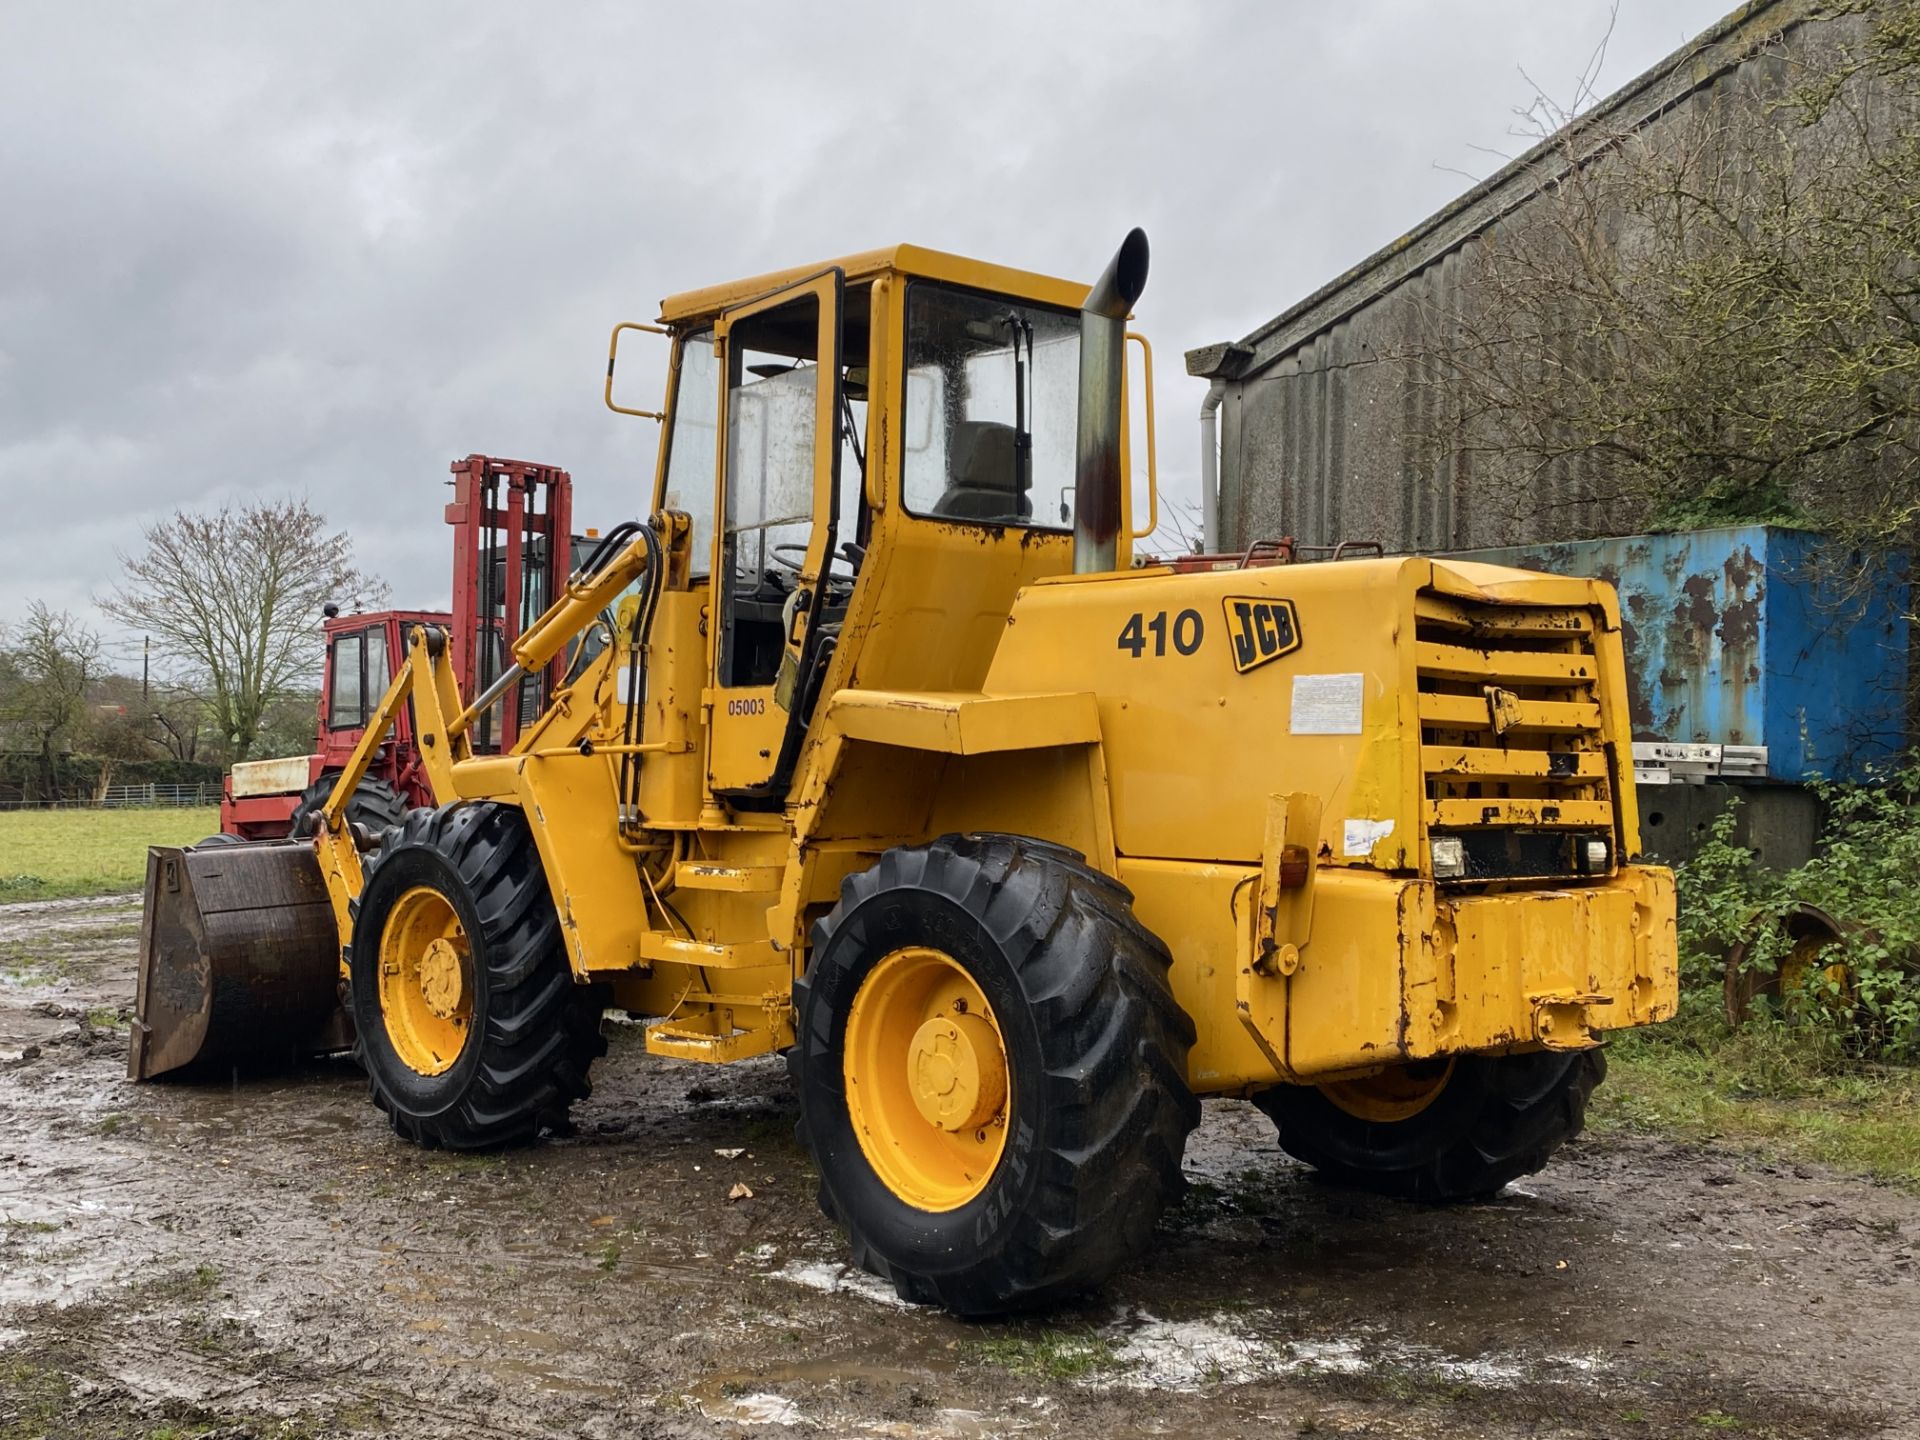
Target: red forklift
[[513, 547]]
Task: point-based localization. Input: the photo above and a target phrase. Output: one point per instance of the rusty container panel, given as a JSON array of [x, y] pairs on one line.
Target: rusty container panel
[[1752, 635], [239, 960]]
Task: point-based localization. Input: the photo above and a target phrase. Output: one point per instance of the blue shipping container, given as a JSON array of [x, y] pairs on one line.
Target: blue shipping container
[[1752, 635]]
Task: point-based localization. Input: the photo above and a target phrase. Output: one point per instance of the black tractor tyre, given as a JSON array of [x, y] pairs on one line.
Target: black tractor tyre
[[374, 804], [1098, 1111], [1497, 1118], [533, 1033]]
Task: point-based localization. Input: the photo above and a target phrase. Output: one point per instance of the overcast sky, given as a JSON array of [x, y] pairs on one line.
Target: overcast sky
[[325, 249]]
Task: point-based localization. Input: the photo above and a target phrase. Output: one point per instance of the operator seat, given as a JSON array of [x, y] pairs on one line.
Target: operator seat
[[986, 484]]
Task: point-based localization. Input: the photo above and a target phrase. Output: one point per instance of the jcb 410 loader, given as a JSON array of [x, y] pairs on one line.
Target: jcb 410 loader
[[896, 764]]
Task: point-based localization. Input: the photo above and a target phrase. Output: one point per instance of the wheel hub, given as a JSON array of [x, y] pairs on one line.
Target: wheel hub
[[957, 1071], [1397, 1093], [928, 1084], [443, 981], [426, 984]]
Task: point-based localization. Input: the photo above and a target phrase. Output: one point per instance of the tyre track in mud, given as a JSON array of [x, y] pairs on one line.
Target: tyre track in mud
[[603, 1284]]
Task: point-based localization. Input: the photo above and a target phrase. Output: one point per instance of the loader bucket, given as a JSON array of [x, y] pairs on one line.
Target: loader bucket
[[239, 960]]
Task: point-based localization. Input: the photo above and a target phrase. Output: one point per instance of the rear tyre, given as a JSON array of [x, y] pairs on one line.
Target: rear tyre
[[468, 1022], [992, 1073], [1441, 1131], [374, 804]]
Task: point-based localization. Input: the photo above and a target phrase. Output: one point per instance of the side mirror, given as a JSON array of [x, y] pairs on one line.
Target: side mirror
[[613, 352], [1153, 474]]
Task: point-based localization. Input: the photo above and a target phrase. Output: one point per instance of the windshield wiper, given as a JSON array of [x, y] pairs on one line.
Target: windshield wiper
[[853, 436], [1022, 376]]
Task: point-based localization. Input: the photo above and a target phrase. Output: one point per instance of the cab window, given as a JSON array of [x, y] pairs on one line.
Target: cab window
[[992, 402], [346, 703], [691, 442], [360, 677], [772, 421], [377, 677]]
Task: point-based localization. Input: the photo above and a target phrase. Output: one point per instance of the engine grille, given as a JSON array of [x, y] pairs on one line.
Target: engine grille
[[1510, 730]]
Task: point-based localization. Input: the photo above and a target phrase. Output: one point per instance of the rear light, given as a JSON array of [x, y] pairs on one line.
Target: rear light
[[1496, 853]]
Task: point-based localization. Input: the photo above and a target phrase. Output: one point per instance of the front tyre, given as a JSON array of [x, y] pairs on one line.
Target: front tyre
[[375, 806], [1441, 1130], [468, 1022], [992, 1073]]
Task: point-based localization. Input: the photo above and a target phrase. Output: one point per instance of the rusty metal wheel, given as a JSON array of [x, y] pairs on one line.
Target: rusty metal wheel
[[1783, 985]]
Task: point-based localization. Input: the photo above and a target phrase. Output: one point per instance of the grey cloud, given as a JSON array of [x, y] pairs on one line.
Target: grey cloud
[[325, 249]]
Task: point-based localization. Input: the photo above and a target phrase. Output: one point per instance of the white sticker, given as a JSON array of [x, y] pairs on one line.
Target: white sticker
[[1327, 704], [1363, 835]]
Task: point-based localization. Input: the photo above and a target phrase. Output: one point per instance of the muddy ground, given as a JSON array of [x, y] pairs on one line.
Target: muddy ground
[[266, 1259]]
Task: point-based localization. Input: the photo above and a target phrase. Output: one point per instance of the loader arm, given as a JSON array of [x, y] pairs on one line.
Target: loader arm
[[444, 726], [426, 679]]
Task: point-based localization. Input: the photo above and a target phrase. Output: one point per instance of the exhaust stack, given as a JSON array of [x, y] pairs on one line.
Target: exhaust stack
[[1103, 374]]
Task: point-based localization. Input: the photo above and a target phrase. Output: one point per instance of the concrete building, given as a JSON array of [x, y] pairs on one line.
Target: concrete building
[[1318, 424]]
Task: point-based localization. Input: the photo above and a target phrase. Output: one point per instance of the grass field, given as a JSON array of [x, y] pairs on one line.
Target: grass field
[[1757, 1090], [54, 854]]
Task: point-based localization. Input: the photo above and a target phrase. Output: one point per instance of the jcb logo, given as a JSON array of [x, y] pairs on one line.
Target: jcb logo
[[1261, 630]]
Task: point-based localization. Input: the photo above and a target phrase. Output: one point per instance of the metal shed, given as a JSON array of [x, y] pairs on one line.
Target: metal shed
[[1317, 429]]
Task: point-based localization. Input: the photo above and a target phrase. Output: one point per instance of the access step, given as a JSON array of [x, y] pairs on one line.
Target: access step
[[714, 1035], [732, 879], [657, 947]]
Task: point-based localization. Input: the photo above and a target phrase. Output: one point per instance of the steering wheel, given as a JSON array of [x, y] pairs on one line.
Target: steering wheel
[[848, 551]]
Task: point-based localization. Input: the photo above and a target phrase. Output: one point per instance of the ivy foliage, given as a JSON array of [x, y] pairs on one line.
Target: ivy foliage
[[1857, 997]]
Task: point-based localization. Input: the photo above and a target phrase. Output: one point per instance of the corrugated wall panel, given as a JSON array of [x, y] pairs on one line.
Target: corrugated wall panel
[[1321, 438]]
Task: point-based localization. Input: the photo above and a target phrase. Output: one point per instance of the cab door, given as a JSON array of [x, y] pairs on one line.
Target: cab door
[[779, 478]]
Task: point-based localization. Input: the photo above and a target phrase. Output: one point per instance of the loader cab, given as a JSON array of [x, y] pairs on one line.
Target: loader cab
[[876, 455]]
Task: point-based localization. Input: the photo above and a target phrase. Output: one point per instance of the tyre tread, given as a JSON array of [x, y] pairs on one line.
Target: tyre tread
[[1526, 1107], [1116, 1043], [542, 1031], [374, 804]]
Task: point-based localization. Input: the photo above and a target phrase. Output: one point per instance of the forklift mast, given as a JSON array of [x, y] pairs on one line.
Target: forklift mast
[[512, 550]]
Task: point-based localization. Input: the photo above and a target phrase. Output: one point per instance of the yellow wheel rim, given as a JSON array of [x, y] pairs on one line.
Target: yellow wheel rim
[[928, 1088], [1832, 991], [426, 981], [1396, 1094]]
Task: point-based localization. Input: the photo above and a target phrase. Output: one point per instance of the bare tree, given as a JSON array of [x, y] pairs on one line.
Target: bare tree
[[287, 727], [235, 596], [53, 660], [179, 718], [1709, 319], [1179, 528], [116, 728]]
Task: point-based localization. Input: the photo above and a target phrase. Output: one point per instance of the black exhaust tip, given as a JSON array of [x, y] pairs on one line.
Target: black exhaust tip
[[1123, 281]]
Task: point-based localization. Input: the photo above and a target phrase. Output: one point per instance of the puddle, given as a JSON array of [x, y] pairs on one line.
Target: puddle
[[949, 1424], [760, 1409], [1186, 1355], [42, 919], [58, 1277], [835, 1278]]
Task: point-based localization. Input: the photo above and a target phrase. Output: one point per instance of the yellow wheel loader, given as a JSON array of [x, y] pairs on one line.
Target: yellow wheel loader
[[893, 761]]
